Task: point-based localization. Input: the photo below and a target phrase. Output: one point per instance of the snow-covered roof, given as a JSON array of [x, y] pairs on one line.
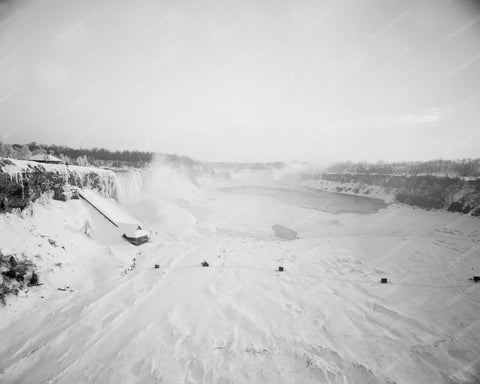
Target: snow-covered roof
[[133, 230], [45, 157], [111, 209], [139, 233]]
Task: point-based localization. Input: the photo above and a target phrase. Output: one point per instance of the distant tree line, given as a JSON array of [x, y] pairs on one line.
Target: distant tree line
[[257, 166], [84, 157], [461, 167]]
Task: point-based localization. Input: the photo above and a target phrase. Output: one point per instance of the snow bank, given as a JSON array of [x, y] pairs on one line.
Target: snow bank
[[109, 208], [52, 235], [326, 318], [374, 191]]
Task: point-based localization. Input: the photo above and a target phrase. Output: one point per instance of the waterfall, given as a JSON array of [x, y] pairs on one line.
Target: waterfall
[[128, 185]]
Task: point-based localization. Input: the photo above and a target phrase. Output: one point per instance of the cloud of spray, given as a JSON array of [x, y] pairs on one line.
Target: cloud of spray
[[270, 176], [170, 183], [168, 198], [174, 189]]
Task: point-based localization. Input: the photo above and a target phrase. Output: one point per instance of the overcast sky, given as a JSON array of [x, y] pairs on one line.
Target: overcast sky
[[245, 80]]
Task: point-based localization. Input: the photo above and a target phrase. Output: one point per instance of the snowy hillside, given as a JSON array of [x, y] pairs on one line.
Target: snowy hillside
[[324, 319]]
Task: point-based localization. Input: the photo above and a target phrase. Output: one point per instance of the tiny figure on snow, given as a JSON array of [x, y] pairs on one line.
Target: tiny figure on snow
[[5, 203], [87, 228]]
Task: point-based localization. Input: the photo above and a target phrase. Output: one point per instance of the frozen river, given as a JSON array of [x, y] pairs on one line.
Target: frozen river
[[315, 199]]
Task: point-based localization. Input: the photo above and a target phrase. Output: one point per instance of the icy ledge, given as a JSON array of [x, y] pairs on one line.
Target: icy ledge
[[23, 181]]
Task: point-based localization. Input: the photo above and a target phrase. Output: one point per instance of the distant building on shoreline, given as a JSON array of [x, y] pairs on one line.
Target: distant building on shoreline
[[44, 158]]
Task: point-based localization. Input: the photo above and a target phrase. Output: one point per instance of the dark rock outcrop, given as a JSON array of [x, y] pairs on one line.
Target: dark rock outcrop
[[430, 192], [24, 181]]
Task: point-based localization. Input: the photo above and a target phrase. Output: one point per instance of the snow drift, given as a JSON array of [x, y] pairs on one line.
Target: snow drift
[[325, 319]]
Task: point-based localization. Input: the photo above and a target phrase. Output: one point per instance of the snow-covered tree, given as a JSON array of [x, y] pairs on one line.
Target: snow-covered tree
[[65, 159], [6, 150], [24, 152], [83, 161]]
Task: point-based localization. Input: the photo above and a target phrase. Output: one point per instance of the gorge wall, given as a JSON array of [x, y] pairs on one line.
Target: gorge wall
[[425, 191], [24, 181]]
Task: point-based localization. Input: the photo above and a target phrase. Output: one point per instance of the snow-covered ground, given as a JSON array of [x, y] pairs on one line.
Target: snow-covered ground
[[325, 318]]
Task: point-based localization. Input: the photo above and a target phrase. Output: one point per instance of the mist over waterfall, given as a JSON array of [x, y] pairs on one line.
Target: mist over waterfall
[[165, 195], [128, 185]]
